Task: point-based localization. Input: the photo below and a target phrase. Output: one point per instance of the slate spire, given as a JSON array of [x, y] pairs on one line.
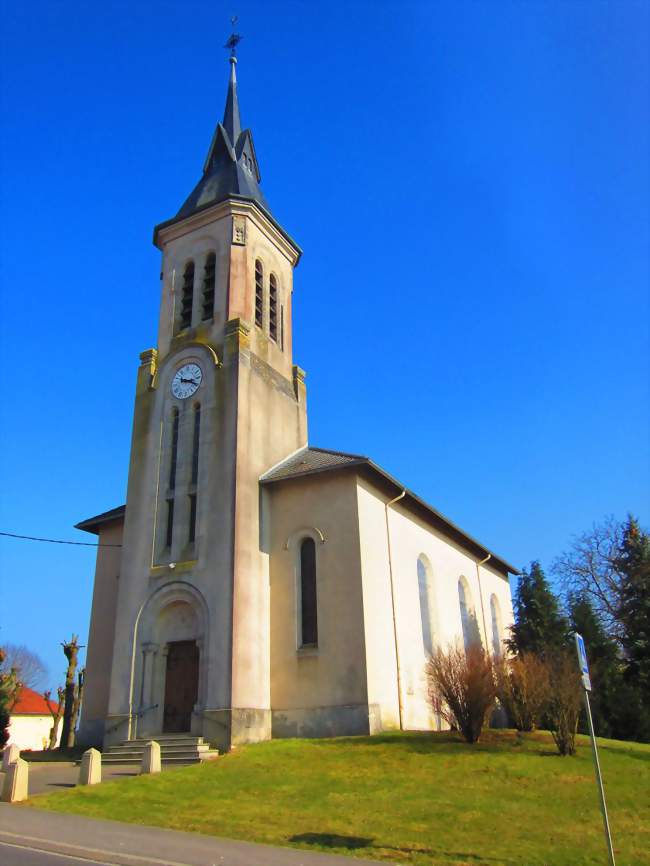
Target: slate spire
[[231, 121], [231, 169]]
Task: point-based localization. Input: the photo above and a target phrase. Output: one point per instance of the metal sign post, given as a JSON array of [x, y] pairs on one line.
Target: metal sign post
[[586, 685]]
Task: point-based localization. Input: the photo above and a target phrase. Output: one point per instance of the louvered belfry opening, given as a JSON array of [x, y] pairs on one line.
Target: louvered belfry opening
[[187, 296], [209, 272], [273, 308], [259, 294]]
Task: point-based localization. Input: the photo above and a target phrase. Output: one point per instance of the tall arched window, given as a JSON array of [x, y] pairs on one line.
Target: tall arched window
[[259, 293], [187, 295], [209, 272], [171, 487], [426, 603], [196, 438], [467, 615], [495, 612], [273, 308], [308, 600]]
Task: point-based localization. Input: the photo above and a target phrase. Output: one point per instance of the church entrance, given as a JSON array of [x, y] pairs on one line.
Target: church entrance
[[181, 686]]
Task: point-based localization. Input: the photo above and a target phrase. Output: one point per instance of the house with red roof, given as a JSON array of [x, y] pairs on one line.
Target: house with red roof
[[30, 721]]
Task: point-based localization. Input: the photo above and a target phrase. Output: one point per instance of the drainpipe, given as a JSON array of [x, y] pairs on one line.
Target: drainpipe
[[480, 595], [130, 730], [392, 598]]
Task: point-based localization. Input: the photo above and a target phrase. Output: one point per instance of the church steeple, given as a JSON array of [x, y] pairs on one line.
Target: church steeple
[[231, 169], [231, 121]]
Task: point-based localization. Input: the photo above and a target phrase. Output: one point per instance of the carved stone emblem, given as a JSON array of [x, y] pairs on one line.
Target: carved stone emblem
[[239, 230]]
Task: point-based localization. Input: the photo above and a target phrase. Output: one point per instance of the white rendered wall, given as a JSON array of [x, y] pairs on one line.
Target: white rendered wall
[[411, 537], [31, 732]]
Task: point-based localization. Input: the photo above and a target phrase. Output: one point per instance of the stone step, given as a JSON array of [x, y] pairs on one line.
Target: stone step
[[174, 749]]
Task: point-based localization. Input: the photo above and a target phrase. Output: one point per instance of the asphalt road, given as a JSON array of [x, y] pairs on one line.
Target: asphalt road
[[34, 837], [18, 855]]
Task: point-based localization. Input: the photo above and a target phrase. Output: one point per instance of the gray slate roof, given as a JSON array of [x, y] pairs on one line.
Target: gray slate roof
[[312, 461]]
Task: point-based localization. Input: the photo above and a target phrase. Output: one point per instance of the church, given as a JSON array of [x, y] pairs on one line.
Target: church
[[254, 586]]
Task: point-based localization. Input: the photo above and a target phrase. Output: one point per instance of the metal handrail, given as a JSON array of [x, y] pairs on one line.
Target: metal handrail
[[136, 715]]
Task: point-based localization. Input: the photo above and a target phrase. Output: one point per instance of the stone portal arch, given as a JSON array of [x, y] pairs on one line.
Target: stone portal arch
[[173, 632]]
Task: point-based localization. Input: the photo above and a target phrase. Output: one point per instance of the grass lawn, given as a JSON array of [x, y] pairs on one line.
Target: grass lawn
[[418, 798]]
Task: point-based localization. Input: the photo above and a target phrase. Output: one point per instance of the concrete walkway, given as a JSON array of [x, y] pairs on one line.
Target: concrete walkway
[[28, 831], [49, 776]]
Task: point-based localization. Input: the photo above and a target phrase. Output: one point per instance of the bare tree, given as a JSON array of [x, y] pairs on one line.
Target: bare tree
[[523, 687], [461, 688], [592, 566], [56, 714], [71, 651], [30, 668]]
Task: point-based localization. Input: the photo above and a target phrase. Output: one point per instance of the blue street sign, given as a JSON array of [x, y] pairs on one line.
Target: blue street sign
[[582, 661]]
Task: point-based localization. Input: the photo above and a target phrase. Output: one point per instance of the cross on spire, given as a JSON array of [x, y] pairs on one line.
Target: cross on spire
[[233, 40]]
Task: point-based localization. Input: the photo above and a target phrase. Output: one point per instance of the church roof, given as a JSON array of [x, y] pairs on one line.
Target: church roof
[[92, 524], [313, 461]]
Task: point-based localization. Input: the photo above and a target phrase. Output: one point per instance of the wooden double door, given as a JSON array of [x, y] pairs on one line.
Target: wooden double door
[[181, 686]]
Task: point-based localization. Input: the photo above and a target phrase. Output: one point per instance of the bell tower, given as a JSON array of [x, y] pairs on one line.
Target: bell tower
[[218, 403]]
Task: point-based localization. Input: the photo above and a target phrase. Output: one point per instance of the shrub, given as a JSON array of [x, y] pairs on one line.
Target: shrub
[[522, 686], [565, 701], [461, 688]]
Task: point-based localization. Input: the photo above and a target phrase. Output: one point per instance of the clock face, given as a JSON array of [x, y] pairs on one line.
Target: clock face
[[186, 381]]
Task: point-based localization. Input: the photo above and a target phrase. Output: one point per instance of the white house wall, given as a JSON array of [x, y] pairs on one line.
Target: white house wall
[[31, 732]]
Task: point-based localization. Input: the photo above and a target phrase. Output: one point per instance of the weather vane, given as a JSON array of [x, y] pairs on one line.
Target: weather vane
[[234, 39]]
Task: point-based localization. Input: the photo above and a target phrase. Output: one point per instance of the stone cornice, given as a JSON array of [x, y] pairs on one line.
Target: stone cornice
[[172, 229]]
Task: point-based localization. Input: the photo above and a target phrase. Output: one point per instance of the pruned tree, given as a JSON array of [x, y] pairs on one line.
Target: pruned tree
[[78, 697], [461, 688], [71, 651], [30, 668], [523, 688], [56, 714]]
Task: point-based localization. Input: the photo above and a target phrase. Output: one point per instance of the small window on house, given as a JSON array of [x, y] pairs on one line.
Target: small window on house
[[187, 296], [425, 592], [273, 308], [496, 625], [195, 443], [259, 294], [308, 601], [209, 272]]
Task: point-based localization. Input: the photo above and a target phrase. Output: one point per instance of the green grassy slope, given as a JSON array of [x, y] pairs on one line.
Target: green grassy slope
[[415, 798]]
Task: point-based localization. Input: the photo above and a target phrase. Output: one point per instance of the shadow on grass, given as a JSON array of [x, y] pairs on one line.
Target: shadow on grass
[[334, 840]]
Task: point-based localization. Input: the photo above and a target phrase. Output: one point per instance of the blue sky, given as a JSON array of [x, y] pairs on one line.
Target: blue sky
[[469, 182]]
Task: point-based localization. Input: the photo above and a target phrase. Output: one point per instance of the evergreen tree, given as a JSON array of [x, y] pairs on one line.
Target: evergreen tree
[[539, 626], [605, 667], [634, 612]]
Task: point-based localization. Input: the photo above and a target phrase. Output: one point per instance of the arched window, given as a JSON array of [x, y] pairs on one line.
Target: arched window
[[467, 615], [196, 438], [209, 272], [273, 308], [496, 625], [259, 293], [195, 443], [173, 461], [187, 295], [308, 600], [426, 603]]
